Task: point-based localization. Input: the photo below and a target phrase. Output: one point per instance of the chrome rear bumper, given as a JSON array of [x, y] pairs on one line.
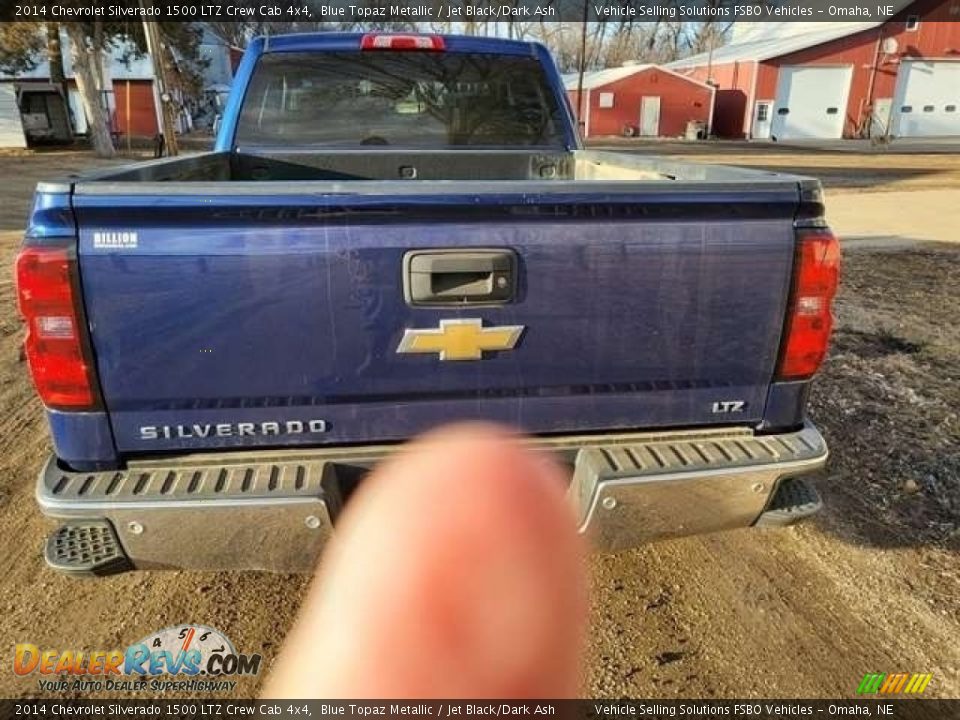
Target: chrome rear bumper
[[680, 485], [275, 510]]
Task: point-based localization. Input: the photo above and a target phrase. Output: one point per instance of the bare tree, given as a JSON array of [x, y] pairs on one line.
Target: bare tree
[[88, 72], [707, 35], [582, 67], [20, 46], [440, 27], [233, 33], [55, 55], [159, 55]]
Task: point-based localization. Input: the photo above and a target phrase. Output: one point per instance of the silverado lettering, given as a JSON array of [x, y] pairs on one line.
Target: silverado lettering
[[394, 232], [291, 427]]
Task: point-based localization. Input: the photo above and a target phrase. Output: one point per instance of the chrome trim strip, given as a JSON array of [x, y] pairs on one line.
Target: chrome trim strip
[[66, 508]]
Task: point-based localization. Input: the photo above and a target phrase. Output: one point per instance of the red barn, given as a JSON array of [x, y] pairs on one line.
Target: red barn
[[640, 100], [863, 79]]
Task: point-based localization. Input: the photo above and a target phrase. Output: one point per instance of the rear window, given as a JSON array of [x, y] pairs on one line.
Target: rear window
[[407, 99]]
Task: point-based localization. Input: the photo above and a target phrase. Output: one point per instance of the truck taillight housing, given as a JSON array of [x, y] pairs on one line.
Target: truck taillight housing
[[809, 323], [55, 345], [378, 41]]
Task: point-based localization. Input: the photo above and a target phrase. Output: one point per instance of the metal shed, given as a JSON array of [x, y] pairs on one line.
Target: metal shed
[[646, 100], [11, 128], [840, 80]]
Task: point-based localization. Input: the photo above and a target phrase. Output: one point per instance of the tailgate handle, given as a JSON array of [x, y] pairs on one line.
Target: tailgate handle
[[459, 277]]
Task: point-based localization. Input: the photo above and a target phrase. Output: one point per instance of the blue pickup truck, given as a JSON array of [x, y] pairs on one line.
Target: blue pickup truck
[[395, 232]]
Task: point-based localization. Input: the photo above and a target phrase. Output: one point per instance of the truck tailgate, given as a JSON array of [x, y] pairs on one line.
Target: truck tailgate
[[233, 316]]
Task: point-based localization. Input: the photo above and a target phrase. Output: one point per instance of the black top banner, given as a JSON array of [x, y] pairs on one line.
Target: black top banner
[[472, 11]]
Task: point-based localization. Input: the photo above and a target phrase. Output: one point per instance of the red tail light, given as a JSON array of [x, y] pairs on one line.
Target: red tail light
[[809, 315], [375, 41], [55, 338]]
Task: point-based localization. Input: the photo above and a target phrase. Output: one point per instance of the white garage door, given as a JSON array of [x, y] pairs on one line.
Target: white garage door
[[927, 100], [11, 128], [811, 102]]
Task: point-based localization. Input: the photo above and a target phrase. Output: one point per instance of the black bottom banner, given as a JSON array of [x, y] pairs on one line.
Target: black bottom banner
[[566, 709]]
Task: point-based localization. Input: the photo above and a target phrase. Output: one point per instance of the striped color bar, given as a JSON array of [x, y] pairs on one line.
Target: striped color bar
[[893, 683], [918, 683], [870, 684]]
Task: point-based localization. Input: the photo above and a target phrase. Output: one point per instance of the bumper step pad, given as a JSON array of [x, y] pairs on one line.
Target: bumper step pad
[[235, 511], [86, 548], [275, 509], [665, 486], [794, 500]]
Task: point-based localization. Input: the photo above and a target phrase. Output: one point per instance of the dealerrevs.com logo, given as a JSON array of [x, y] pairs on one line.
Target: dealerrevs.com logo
[[202, 654]]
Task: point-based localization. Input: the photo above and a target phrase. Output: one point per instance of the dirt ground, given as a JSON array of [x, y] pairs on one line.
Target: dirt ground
[[870, 585], [870, 169]]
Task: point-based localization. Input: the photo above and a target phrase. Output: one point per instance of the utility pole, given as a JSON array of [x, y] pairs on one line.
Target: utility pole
[[582, 66], [162, 96], [710, 44]]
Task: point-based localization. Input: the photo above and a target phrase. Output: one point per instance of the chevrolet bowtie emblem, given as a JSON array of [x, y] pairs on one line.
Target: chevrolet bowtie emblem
[[464, 339]]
